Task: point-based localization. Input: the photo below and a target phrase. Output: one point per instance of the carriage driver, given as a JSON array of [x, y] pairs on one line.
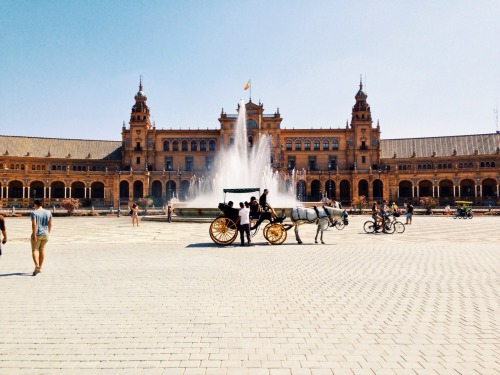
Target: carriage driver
[[266, 206]]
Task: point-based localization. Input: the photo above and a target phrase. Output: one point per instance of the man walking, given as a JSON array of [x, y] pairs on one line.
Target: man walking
[[2, 229], [409, 212], [244, 223], [41, 225]]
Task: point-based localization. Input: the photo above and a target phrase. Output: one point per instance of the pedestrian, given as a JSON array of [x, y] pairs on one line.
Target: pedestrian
[[134, 213], [170, 210], [2, 229], [409, 212], [41, 225], [447, 209], [244, 223]]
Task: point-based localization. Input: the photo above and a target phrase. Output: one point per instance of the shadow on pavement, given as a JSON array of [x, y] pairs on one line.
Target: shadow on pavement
[[16, 274]]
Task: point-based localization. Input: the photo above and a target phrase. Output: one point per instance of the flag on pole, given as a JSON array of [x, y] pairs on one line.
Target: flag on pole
[[247, 86]]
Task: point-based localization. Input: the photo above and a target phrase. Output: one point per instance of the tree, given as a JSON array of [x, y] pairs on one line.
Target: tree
[[145, 202], [429, 203], [360, 202], [70, 205]]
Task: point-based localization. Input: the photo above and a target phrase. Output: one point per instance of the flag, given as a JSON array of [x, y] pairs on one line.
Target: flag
[[247, 86]]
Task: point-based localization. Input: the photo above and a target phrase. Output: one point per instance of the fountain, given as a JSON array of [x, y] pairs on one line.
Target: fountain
[[244, 166]]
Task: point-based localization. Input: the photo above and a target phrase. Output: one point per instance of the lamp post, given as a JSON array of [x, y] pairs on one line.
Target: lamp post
[[320, 194], [180, 183], [329, 180], [119, 193], [380, 185], [168, 184]]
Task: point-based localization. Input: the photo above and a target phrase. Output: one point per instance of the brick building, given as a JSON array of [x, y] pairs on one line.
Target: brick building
[[341, 163]]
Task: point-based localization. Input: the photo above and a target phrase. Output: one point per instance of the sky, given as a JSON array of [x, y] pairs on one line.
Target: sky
[[70, 69]]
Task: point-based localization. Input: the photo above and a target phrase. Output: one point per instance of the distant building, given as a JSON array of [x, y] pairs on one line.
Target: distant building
[[340, 163]]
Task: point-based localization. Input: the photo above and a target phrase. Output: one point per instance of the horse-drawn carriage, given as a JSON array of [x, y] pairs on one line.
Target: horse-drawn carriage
[[224, 229]]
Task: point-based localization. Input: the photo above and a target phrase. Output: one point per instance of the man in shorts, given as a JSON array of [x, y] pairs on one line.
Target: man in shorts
[[41, 225], [409, 213], [2, 229]]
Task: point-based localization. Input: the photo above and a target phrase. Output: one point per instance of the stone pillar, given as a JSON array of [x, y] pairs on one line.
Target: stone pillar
[[27, 187], [90, 192], [105, 192], [50, 192], [1, 192], [480, 191], [454, 191], [24, 187], [459, 193], [70, 196], [44, 192], [498, 189], [437, 190], [475, 190], [66, 192], [85, 192], [433, 194], [412, 191], [7, 192]]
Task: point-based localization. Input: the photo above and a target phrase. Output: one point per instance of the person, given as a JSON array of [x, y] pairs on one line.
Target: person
[[394, 207], [409, 212], [375, 214], [264, 204], [244, 223], [170, 210], [41, 225], [254, 208], [447, 209], [134, 212], [2, 229]]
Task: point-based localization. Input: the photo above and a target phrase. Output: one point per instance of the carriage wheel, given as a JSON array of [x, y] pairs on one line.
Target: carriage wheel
[[223, 231], [339, 225], [266, 228], [276, 234]]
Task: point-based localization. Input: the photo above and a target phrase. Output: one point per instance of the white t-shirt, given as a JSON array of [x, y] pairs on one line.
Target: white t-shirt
[[244, 215]]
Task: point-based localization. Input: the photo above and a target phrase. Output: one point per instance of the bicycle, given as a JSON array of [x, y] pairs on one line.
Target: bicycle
[[372, 226], [399, 227]]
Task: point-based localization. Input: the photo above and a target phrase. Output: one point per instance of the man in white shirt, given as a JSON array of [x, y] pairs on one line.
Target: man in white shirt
[[244, 222]]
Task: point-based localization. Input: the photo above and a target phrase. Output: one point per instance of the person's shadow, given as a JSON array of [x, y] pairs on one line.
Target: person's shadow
[[15, 274]]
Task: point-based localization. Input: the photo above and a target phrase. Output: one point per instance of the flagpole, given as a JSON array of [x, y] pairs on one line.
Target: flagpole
[[250, 89]]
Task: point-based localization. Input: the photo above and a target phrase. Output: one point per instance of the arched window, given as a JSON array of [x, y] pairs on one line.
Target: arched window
[[166, 146], [429, 166], [184, 145], [203, 146], [211, 145], [316, 145], [492, 164], [404, 167], [449, 166], [307, 145], [194, 146], [440, 166], [298, 145], [33, 167], [175, 146], [288, 145], [482, 164], [325, 145], [58, 167], [335, 145], [471, 165], [460, 165]]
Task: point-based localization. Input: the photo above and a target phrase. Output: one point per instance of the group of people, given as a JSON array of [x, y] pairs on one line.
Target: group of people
[[381, 212], [41, 225]]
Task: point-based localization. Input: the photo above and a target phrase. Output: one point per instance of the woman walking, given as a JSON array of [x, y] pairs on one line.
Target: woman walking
[[134, 212]]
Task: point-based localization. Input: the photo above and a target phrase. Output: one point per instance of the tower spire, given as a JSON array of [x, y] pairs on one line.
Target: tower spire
[[361, 82], [140, 83]]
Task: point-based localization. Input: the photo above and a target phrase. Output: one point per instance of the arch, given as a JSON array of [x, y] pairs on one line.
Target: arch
[[184, 145], [405, 188], [194, 146], [203, 146], [489, 188], [467, 188], [97, 191], [156, 189], [315, 190], [124, 190], [378, 189], [481, 165], [445, 189], [335, 145], [492, 164], [15, 189], [330, 189], [138, 190], [77, 190], [184, 190], [326, 145], [175, 146], [36, 189], [425, 188], [171, 189], [345, 191], [166, 146], [211, 145], [57, 189], [298, 145], [363, 188], [301, 190], [307, 145], [460, 165], [316, 145]]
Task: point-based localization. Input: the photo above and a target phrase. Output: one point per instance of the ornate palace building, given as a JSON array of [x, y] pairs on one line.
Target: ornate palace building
[[340, 163]]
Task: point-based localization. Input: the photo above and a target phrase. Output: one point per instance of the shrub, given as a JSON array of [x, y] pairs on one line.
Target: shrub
[[360, 202], [429, 203], [145, 202], [70, 205]]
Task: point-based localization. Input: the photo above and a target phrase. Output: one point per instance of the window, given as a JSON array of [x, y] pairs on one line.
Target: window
[[440, 166], [194, 146], [203, 146], [166, 146], [231, 141], [460, 166], [325, 145], [250, 141], [189, 164], [316, 145], [138, 146], [168, 164], [298, 145], [335, 145], [184, 146], [307, 145], [363, 159], [482, 164], [492, 164], [209, 163], [33, 167], [288, 145], [312, 163], [175, 146], [291, 162], [211, 145], [138, 160]]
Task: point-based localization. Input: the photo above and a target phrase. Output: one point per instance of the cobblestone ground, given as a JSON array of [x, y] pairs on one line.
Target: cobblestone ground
[[163, 299]]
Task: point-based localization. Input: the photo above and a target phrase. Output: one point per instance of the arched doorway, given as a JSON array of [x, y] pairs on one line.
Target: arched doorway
[[467, 189], [138, 190], [489, 188], [315, 191], [36, 190], [124, 194], [171, 189], [57, 189], [378, 190], [345, 191], [425, 188], [15, 189], [184, 190], [363, 188], [301, 190], [78, 190], [405, 189], [156, 190], [330, 189], [97, 190]]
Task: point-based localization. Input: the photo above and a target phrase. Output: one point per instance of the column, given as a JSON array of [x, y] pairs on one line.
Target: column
[[397, 192], [1, 192], [85, 192], [433, 195], [27, 187], [70, 192], [50, 192], [104, 191], [23, 191], [412, 191], [7, 192], [437, 190], [44, 192], [65, 190], [498, 189], [480, 191], [90, 192], [459, 193], [475, 190], [454, 191]]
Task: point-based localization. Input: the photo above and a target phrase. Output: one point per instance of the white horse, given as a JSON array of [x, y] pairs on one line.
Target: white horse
[[321, 216]]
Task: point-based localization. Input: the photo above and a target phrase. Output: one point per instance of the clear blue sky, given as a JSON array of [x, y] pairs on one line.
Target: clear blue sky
[[70, 69]]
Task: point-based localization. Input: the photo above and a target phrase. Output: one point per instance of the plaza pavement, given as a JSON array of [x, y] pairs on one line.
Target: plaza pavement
[[163, 299]]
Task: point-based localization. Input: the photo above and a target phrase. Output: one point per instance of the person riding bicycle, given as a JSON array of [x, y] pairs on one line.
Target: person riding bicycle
[[375, 214]]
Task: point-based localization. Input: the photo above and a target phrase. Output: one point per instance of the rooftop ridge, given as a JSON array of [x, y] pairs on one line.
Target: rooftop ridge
[[61, 139], [442, 136]]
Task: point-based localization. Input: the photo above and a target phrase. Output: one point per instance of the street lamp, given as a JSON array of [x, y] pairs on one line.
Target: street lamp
[[380, 185], [119, 194], [168, 184], [329, 180], [180, 182], [320, 194]]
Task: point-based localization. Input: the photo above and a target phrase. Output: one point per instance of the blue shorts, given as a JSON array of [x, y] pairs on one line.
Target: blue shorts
[[409, 215]]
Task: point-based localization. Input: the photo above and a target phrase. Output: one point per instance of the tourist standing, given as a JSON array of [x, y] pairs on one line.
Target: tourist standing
[[170, 210], [2, 229], [134, 212], [244, 223], [409, 212], [41, 225]]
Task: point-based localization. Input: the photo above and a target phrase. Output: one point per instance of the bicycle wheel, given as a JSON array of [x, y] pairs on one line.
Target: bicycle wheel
[[369, 227], [399, 227], [339, 225], [389, 227]]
